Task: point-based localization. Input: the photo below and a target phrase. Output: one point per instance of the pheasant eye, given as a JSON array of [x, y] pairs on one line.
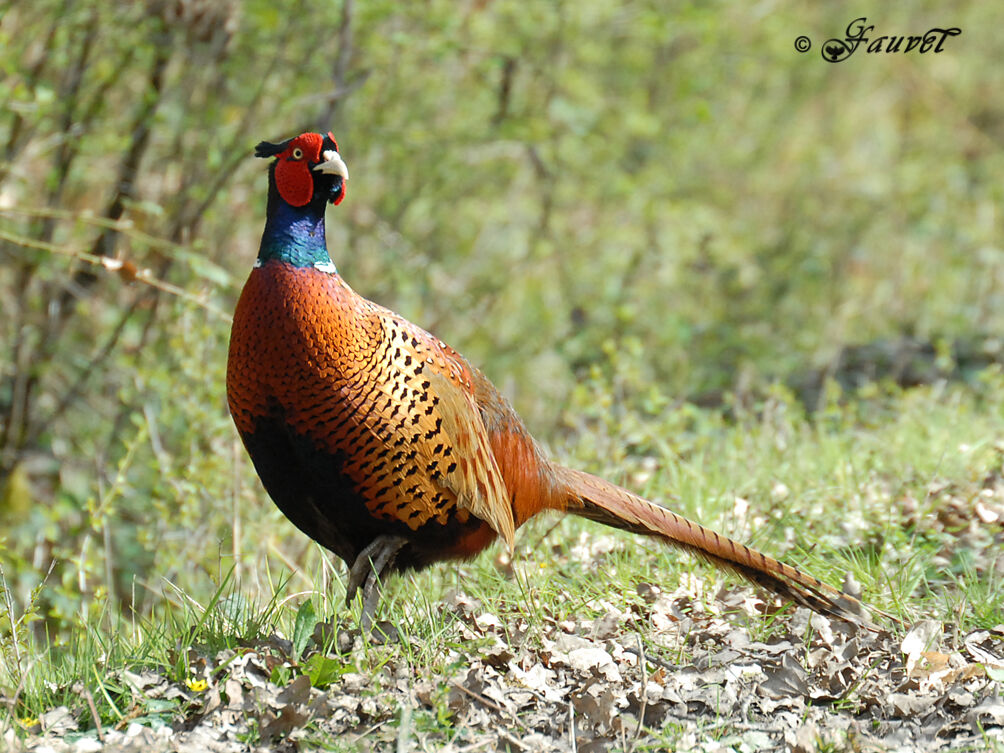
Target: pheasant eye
[[298, 153]]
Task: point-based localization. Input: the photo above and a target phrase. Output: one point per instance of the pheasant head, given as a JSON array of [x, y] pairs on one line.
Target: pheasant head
[[306, 174]]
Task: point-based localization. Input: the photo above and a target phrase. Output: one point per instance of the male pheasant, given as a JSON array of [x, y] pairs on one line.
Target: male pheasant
[[381, 442]]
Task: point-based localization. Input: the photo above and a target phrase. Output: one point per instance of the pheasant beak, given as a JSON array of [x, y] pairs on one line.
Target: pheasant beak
[[332, 164]]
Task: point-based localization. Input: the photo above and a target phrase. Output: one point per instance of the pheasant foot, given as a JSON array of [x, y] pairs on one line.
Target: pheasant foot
[[368, 572]]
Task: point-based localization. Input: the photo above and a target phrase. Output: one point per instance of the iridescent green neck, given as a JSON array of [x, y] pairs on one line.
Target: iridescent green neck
[[294, 235]]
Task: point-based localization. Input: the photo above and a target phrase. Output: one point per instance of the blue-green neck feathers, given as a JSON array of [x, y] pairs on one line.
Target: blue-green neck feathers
[[294, 235]]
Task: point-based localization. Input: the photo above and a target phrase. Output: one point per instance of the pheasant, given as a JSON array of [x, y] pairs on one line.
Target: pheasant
[[382, 443]]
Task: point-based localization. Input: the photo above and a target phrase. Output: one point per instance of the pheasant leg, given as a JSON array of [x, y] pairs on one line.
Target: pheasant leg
[[369, 571]]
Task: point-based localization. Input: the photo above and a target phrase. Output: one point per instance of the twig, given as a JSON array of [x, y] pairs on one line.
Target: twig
[[137, 710], [104, 245], [340, 72], [545, 534], [484, 700], [654, 659], [81, 380], [124, 268], [125, 226], [475, 746], [18, 136], [644, 695], [94, 711], [510, 739], [571, 726], [365, 732], [69, 98]]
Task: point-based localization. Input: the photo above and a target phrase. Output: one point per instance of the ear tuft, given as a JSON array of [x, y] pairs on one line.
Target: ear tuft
[[268, 149]]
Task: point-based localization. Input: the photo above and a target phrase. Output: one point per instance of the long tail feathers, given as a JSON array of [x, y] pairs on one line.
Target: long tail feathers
[[593, 498]]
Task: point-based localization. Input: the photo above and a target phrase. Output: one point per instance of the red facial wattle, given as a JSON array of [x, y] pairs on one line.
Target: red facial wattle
[[292, 171]]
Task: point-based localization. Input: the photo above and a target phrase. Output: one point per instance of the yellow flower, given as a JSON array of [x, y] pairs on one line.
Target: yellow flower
[[27, 722], [196, 685]]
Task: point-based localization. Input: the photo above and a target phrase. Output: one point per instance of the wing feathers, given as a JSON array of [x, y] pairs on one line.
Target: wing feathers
[[476, 481]]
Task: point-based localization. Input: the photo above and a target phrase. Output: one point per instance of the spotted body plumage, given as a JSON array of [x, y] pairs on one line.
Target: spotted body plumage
[[384, 444], [351, 381]]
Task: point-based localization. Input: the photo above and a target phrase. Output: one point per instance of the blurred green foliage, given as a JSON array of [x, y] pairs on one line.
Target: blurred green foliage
[[606, 205]]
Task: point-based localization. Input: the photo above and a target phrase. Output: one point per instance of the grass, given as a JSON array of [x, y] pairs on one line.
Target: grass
[[884, 486]]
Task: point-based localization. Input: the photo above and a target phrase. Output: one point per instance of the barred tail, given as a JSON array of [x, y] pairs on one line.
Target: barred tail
[[593, 498]]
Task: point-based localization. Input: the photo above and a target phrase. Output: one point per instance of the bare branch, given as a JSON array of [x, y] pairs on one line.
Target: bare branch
[[329, 118]]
